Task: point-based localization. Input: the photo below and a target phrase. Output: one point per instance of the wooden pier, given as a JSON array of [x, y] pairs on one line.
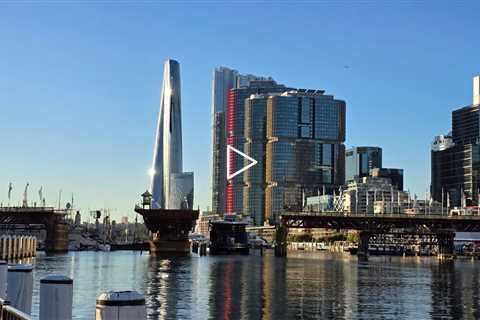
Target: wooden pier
[[17, 247]]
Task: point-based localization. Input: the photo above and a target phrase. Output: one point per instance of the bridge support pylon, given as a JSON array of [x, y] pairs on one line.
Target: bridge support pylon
[[281, 233], [363, 240], [57, 237]]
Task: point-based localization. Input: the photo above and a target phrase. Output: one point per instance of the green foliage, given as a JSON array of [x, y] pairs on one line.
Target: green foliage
[[352, 237], [305, 237]]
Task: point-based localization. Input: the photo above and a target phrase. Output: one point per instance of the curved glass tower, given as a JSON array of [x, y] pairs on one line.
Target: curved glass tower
[[167, 153]]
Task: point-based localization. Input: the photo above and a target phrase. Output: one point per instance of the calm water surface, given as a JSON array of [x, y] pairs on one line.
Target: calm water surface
[[306, 285]]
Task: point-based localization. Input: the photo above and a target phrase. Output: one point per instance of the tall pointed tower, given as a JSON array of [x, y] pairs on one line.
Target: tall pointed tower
[[167, 209], [167, 152]]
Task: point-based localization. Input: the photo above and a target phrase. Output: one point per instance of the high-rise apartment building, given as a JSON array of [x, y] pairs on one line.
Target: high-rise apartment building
[[305, 132], [360, 160], [236, 137], [171, 188], [224, 79], [456, 157]]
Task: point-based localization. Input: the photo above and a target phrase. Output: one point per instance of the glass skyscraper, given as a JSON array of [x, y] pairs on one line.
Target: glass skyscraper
[[305, 132], [456, 157], [360, 160], [167, 172], [224, 79], [236, 138]]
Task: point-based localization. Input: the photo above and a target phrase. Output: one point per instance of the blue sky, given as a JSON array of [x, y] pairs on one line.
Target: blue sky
[[80, 82]]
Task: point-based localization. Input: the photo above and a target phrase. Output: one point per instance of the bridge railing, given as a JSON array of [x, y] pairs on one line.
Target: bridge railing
[[382, 215], [7, 312]]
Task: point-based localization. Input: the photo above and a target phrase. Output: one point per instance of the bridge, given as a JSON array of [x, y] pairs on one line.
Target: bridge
[[48, 218], [442, 227]]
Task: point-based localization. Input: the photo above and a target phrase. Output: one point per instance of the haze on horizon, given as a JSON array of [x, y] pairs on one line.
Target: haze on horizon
[[81, 83]]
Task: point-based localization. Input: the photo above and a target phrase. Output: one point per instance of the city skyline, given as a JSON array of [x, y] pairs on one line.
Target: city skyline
[[93, 115]]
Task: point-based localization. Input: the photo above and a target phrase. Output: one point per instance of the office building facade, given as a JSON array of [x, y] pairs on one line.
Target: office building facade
[[360, 160], [455, 158], [395, 175], [224, 79], [305, 132], [236, 138]]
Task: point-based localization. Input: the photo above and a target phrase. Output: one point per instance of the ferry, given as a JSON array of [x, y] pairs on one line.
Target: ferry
[[228, 237]]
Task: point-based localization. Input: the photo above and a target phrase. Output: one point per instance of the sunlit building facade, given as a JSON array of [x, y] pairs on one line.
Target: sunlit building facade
[[224, 79], [236, 137], [167, 177], [305, 131]]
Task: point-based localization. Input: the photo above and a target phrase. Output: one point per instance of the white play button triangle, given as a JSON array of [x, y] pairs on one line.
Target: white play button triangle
[[253, 162]]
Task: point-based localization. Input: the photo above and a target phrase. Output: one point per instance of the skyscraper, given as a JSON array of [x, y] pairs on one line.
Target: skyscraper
[[224, 79], [360, 160], [305, 131], [456, 157], [167, 153], [236, 136]]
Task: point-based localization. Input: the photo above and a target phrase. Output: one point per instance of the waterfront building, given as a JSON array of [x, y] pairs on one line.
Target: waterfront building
[[395, 175], [167, 177], [322, 203], [373, 195], [224, 79], [305, 131], [455, 158], [203, 221], [360, 160], [236, 138], [255, 143]]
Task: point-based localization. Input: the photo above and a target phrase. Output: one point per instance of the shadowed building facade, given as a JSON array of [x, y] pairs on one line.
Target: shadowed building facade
[[455, 158], [359, 161]]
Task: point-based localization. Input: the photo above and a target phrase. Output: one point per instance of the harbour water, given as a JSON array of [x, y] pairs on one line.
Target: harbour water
[[306, 285]]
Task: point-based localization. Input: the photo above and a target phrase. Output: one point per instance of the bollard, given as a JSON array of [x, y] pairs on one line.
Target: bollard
[[56, 298], [3, 279], [120, 305], [20, 287]]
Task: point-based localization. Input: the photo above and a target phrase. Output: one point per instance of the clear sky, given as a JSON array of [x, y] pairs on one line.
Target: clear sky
[[80, 82]]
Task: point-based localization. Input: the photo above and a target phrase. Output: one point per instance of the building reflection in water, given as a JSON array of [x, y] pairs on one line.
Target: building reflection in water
[[455, 292], [311, 286], [176, 288]]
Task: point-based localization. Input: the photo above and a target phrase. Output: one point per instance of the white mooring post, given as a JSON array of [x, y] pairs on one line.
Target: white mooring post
[[120, 305], [20, 287], [3, 279], [56, 298]]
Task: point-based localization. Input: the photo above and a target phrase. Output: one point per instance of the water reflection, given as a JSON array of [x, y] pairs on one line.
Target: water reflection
[[304, 286]]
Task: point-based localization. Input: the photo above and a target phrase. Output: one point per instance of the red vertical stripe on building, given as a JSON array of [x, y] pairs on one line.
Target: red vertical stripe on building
[[230, 141]]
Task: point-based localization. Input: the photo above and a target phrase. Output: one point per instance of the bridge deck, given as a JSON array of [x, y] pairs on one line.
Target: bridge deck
[[385, 222]]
